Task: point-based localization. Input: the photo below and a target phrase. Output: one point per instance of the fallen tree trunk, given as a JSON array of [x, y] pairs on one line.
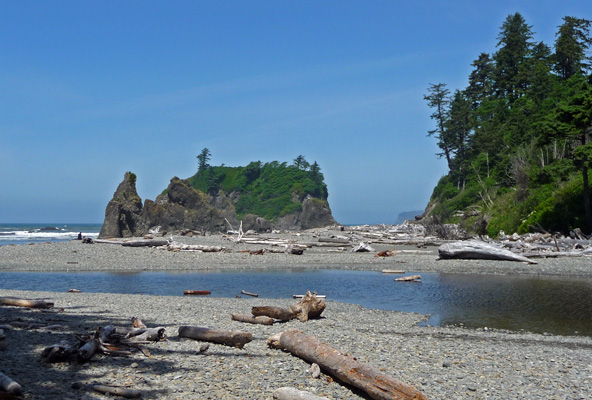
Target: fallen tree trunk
[[145, 243], [86, 352], [194, 247], [410, 278], [346, 368], [228, 338], [280, 313], [58, 352], [288, 393], [249, 294], [13, 301], [250, 319], [146, 335], [10, 386], [473, 249], [118, 391]]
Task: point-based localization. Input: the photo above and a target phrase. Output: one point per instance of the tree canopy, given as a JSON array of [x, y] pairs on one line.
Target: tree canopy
[[516, 138]]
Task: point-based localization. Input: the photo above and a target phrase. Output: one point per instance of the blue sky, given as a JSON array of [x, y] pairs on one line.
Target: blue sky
[[91, 89]]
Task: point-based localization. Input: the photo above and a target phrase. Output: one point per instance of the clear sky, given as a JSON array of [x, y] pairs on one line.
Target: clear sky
[[91, 89]]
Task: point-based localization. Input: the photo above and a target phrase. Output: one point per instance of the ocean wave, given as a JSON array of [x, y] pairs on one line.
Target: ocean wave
[[39, 234]]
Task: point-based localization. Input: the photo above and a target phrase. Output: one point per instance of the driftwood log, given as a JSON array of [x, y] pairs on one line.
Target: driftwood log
[[176, 246], [145, 243], [251, 319], [58, 352], [10, 386], [347, 369], [309, 307], [13, 301], [249, 293], [118, 391], [474, 249], [410, 278], [288, 393], [228, 338], [282, 314]]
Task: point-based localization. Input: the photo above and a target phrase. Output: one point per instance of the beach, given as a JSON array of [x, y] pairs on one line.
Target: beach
[[441, 362]]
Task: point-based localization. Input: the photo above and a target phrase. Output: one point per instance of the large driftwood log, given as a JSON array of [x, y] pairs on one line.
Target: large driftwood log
[[473, 249], [288, 393], [86, 352], [58, 352], [118, 391], [228, 338], [308, 307], [10, 386], [346, 368], [145, 243], [280, 313], [13, 301], [251, 319], [194, 247]]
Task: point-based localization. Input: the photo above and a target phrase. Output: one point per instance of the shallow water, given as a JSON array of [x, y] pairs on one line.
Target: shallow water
[[557, 306]]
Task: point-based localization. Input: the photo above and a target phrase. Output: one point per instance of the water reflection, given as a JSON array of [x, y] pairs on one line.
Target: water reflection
[[558, 306]]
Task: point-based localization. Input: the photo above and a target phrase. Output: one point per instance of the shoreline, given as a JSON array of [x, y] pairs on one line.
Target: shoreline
[[442, 362]]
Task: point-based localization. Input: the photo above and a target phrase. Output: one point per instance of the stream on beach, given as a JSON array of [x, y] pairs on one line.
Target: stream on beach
[[542, 305]]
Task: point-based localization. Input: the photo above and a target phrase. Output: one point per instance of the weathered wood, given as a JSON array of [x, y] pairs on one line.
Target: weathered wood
[[251, 319], [10, 386], [145, 243], [87, 350], [197, 292], [228, 338], [249, 294], [308, 307], [280, 313], [288, 393], [13, 301], [386, 253], [348, 369], [410, 278], [362, 248], [118, 391], [334, 240], [300, 296], [473, 249], [194, 247], [146, 334], [58, 352]]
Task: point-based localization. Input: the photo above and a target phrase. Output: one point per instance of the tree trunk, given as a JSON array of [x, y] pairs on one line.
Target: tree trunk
[[346, 368], [145, 243], [118, 391], [13, 301], [474, 249], [10, 386], [280, 313], [228, 338], [250, 319]]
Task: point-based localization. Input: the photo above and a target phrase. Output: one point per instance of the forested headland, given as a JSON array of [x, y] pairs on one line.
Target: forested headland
[[516, 139]]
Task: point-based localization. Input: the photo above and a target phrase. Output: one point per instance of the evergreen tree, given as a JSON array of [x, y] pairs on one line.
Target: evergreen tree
[[438, 99], [480, 80], [571, 47], [514, 47], [203, 158], [301, 163], [458, 130]]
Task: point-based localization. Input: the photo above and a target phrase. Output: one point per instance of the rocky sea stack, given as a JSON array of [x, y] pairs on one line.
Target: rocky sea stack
[[264, 197]]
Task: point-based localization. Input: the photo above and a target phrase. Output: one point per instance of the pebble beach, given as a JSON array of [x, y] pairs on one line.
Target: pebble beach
[[441, 362]]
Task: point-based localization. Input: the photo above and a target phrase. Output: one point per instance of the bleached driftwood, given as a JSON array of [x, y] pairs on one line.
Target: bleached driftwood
[[289, 393], [13, 301], [145, 335], [410, 278], [392, 271], [280, 313], [473, 249], [344, 367], [251, 319], [308, 307], [58, 352], [10, 386], [249, 293], [176, 246], [362, 248], [228, 338], [118, 391]]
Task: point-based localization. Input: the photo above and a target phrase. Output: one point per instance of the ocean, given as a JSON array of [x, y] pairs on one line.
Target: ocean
[[39, 233]]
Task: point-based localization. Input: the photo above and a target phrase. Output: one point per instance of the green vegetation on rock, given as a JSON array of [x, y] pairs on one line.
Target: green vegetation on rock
[[270, 190], [517, 138]]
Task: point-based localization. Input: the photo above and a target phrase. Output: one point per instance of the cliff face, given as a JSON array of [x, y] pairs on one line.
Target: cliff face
[[181, 207]]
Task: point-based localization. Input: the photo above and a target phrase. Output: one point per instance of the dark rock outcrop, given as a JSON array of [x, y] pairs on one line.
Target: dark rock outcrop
[[124, 211], [179, 207], [182, 207]]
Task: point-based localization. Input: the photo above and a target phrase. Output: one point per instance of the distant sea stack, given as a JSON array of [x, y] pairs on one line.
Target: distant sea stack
[[261, 196]]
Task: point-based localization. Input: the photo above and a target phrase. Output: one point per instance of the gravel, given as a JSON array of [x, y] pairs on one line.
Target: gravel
[[442, 362]]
